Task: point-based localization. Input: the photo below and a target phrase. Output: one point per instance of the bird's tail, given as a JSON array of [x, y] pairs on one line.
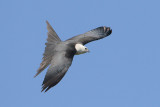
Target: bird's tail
[[52, 41]]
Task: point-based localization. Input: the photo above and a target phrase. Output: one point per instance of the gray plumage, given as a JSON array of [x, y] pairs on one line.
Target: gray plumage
[[59, 54]]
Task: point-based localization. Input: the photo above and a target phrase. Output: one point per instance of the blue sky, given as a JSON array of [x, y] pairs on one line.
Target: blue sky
[[121, 70]]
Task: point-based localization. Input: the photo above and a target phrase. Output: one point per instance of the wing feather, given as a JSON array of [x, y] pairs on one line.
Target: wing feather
[[59, 66], [92, 35]]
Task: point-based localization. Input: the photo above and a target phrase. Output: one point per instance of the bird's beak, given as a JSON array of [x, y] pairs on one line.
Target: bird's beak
[[88, 51]]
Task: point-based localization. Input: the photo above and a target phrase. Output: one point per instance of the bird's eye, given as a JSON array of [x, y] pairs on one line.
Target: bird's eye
[[85, 48]]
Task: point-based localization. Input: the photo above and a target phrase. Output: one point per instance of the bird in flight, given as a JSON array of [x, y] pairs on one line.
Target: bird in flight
[[59, 54]]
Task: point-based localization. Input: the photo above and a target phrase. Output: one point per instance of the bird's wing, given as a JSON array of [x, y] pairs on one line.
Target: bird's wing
[[59, 66], [52, 41], [92, 35]]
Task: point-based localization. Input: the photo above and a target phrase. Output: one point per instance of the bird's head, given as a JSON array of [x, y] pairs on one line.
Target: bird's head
[[81, 49]]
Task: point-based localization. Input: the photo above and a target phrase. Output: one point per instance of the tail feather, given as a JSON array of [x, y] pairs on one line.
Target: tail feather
[[52, 41], [52, 33]]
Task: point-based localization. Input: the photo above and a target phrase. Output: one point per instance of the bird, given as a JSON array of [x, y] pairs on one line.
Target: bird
[[58, 54]]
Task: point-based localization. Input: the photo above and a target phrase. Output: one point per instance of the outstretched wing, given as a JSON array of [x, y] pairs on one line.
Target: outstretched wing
[[92, 35], [59, 66], [52, 41]]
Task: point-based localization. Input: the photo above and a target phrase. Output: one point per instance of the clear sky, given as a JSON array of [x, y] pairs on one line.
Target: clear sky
[[122, 70]]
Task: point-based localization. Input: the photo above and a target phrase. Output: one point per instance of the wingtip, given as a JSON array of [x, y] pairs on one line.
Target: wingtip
[[44, 88], [104, 27], [107, 30], [35, 76], [111, 30]]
